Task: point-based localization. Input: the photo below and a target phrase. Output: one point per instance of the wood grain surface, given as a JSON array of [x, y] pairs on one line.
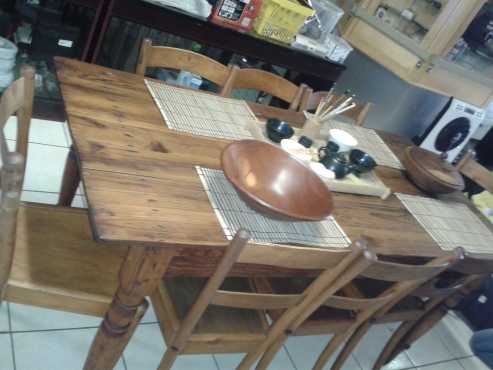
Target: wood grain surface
[[142, 186]]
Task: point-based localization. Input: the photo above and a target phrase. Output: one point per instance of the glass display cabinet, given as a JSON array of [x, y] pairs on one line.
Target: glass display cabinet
[[425, 42]]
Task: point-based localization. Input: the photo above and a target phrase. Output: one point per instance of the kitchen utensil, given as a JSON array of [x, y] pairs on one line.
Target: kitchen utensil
[[275, 183], [337, 163], [431, 173], [362, 161], [305, 141], [342, 138], [278, 130], [331, 147]]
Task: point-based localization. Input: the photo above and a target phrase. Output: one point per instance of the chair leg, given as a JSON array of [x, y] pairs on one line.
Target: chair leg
[[70, 180], [269, 355], [423, 326], [168, 360], [393, 343], [329, 350], [350, 346]]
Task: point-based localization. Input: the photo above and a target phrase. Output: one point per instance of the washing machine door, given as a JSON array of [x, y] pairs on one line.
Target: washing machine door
[[453, 134]]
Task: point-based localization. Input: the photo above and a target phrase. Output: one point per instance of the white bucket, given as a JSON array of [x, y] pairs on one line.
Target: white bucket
[[6, 79], [6, 65], [8, 50]]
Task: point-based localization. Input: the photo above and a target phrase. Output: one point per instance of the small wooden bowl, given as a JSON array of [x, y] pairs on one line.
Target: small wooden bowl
[[275, 183], [431, 173]]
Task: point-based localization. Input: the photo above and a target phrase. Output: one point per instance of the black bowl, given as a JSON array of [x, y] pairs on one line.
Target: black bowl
[[362, 161], [278, 130]]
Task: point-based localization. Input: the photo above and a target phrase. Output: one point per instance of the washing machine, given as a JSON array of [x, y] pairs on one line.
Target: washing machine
[[452, 129]]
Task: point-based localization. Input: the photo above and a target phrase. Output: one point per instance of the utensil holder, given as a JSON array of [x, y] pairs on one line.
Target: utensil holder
[[311, 128]]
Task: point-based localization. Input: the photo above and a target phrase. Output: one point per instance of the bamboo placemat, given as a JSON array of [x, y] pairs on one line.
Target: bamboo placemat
[[450, 224], [233, 213], [203, 114], [370, 142]]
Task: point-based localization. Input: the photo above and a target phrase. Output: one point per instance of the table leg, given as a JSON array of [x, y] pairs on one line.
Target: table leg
[[140, 274], [70, 180]]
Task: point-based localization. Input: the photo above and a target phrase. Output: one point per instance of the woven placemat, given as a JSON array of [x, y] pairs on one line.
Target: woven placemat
[[370, 142], [202, 114], [450, 224], [233, 213]]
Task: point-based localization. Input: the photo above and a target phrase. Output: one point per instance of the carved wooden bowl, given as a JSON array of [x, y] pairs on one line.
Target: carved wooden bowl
[[431, 173], [275, 183]]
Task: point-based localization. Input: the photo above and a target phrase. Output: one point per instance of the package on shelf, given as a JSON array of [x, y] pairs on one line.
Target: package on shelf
[[334, 48], [339, 49], [327, 15], [282, 19]]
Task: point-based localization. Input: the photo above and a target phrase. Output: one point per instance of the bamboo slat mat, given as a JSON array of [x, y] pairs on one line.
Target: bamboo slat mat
[[450, 224], [233, 213], [370, 142], [202, 114]]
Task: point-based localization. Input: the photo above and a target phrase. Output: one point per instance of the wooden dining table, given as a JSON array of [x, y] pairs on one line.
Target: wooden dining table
[[143, 193]]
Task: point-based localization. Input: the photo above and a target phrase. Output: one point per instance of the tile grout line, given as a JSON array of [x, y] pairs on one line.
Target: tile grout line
[[44, 144], [357, 361], [11, 335], [65, 329], [289, 356], [124, 362], [216, 362], [50, 193], [440, 362]]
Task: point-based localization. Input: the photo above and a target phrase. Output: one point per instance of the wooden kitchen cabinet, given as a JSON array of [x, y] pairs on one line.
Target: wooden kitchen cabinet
[[412, 39]]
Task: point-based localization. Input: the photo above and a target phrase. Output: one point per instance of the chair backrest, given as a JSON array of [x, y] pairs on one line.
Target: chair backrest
[[351, 265], [360, 261], [279, 87], [479, 174], [358, 114], [404, 278], [181, 59], [16, 99]]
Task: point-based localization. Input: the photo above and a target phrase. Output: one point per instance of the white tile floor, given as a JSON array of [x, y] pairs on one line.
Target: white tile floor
[[39, 339]]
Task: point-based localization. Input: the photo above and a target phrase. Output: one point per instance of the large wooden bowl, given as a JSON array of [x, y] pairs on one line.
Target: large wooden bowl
[[275, 183], [431, 173]]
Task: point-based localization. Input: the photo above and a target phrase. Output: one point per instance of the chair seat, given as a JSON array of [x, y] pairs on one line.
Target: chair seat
[[220, 329], [58, 265]]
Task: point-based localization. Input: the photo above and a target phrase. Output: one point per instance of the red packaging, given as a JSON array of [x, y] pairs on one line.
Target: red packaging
[[236, 14]]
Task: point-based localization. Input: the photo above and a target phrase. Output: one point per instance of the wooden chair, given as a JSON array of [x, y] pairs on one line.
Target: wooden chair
[[441, 293], [186, 60], [224, 315], [189, 325], [48, 257], [358, 114], [473, 170], [349, 315], [276, 86]]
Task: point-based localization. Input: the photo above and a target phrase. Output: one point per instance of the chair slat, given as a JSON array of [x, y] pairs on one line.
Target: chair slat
[[279, 87], [396, 272], [356, 304], [181, 59], [255, 301]]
